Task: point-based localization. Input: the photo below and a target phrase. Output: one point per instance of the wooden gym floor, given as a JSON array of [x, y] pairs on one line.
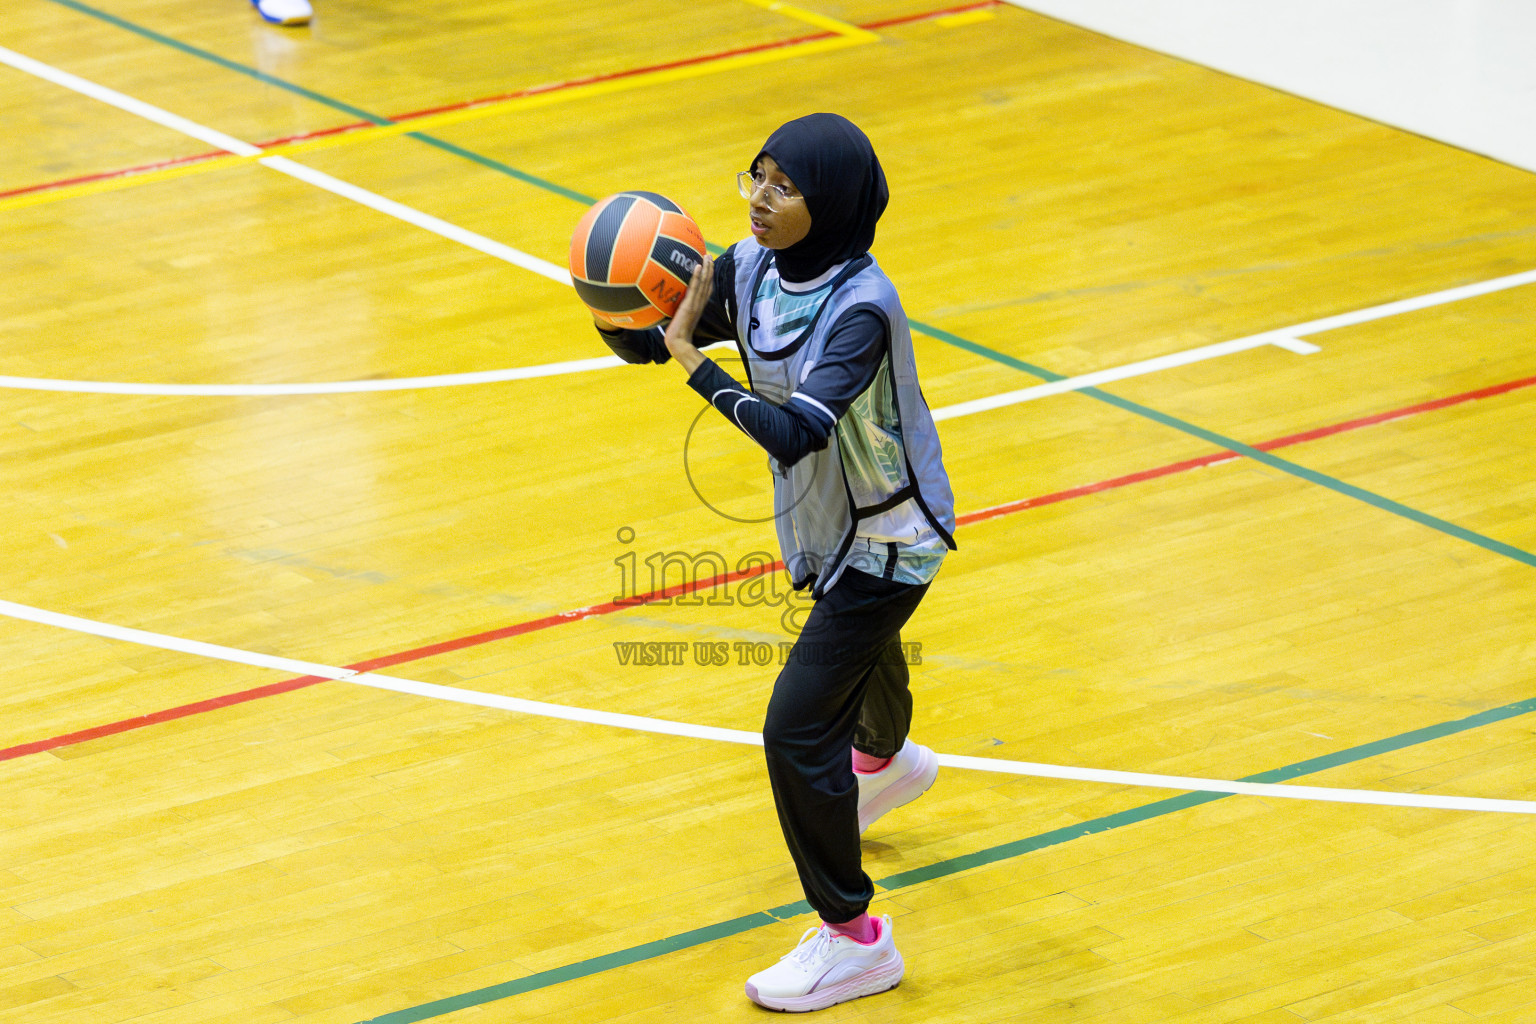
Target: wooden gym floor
[[312, 647]]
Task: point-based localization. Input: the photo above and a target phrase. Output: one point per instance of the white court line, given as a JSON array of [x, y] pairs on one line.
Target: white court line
[[1322, 793], [121, 101], [1288, 338], [1092, 380], [92, 387], [1361, 316], [283, 165], [1285, 339], [637, 723], [410, 215]]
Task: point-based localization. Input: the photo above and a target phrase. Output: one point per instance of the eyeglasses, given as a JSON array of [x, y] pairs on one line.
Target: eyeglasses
[[774, 195]]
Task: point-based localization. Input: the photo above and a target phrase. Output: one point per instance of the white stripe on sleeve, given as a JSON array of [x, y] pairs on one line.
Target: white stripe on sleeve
[[808, 400]]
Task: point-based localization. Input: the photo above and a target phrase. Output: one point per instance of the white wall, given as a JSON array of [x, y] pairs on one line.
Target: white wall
[[1461, 71]]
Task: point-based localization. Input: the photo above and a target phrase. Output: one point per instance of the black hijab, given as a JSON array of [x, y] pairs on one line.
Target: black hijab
[[834, 166]]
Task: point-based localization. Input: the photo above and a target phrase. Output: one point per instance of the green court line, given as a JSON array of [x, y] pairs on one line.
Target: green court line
[[321, 98], [1311, 766], [507, 169], [224, 62], [985, 352], [945, 868], [980, 858], [596, 965], [1274, 461], [1397, 508]]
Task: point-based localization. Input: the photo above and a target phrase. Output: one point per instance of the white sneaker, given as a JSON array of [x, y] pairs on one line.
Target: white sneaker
[[828, 968], [904, 779], [284, 12]]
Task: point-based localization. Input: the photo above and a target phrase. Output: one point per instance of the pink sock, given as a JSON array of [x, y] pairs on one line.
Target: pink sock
[[863, 929], [867, 763]]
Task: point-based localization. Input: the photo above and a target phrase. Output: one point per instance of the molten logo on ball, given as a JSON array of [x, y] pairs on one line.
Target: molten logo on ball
[[632, 256]]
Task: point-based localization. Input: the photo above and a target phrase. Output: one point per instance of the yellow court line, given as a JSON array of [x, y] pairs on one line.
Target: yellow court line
[[964, 18], [91, 188], [845, 36], [842, 28], [579, 92]]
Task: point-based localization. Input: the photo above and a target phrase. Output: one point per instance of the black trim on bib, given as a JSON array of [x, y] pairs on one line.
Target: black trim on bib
[[933, 520], [901, 497], [853, 267]]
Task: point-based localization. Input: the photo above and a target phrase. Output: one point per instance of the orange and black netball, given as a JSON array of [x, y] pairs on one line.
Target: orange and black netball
[[631, 258]]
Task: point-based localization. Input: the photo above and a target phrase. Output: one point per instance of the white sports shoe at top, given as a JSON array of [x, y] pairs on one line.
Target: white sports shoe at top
[[828, 968], [904, 779], [284, 12]]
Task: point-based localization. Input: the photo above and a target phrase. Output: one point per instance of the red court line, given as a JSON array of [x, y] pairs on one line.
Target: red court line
[[591, 611], [155, 718], [907, 19], [1397, 414], [107, 175], [1226, 456], [498, 98], [609, 607], [373, 664], [997, 511], [536, 90]]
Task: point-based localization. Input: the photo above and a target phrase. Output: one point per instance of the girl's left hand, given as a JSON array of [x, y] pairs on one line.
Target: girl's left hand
[[679, 336]]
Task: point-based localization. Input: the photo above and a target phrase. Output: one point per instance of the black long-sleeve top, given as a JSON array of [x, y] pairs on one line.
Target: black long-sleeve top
[[789, 432]]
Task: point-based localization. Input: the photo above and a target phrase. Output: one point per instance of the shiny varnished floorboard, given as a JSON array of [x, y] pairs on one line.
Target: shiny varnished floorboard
[[1061, 203]]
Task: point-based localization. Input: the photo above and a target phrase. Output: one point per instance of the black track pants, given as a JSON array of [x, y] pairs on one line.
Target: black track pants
[[844, 683]]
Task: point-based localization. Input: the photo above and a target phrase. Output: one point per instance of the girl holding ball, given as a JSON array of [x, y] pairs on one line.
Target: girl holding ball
[[864, 515]]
